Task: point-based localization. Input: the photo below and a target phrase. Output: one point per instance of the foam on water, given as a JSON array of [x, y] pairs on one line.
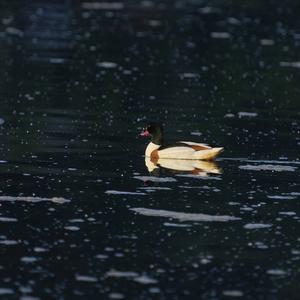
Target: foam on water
[[183, 217]]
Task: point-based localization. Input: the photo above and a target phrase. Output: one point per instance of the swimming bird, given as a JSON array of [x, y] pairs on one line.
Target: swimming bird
[[180, 150]]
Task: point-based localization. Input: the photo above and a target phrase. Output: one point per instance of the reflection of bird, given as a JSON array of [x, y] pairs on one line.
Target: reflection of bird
[[181, 150], [188, 166]]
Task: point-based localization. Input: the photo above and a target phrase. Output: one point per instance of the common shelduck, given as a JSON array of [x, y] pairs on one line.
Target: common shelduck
[[180, 150]]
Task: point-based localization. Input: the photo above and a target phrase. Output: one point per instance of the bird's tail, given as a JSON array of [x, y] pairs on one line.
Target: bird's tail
[[208, 154]]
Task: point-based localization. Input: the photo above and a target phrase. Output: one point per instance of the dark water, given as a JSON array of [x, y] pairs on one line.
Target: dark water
[[81, 215]]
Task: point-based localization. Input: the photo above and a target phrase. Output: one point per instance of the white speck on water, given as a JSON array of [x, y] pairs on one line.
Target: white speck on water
[[154, 290], [57, 60], [120, 274], [277, 168], [113, 192], [201, 175], [277, 272], [244, 114], [155, 188], [260, 245], [86, 278], [8, 242], [6, 219], [229, 115], [183, 217], [233, 293], [3, 161], [220, 35], [292, 64], [155, 179], [6, 291], [72, 169], [197, 133], [116, 296], [72, 228], [39, 249], [144, 279], [27, 297], [1, 121], [208, 10], [267, 42], [189, 75], [29, 259], [257, 226], [101, 256], [59, 200], [103, 5], [295, 193], [15, 31], [176, 225], [76, 220], [287, 213], [279, 197], [107, 65]]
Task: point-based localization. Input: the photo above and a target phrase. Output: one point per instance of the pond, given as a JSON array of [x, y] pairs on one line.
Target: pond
[[84, 215]]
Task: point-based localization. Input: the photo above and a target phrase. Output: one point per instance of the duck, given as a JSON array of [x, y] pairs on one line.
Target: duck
[[156, 149]]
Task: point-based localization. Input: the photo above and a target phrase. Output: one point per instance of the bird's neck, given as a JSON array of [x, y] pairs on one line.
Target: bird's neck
[[157, 139]]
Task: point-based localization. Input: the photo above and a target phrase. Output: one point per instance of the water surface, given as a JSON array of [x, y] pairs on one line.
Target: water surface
[[83, 215]]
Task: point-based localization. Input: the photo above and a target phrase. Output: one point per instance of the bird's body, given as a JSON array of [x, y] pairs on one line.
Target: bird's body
[[181, 150]]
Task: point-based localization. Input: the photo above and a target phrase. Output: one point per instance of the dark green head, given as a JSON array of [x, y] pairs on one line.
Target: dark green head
[[155, 130]]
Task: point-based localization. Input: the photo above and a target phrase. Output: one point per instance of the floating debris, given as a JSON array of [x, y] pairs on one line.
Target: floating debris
[[183, 217]]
